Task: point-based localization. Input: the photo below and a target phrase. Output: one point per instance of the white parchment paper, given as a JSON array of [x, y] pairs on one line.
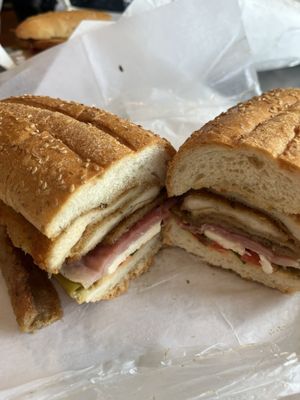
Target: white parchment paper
[[272, 28], [171, 68], [184, 330], [273, 32]]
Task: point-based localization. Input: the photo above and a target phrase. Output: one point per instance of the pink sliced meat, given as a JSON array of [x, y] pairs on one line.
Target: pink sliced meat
[[94, 265], [246, 243]]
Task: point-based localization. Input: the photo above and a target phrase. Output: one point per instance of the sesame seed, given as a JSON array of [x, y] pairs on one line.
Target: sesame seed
[[72, 188]]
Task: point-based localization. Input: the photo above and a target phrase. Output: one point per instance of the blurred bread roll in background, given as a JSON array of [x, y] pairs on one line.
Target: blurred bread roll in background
[[46, 30]]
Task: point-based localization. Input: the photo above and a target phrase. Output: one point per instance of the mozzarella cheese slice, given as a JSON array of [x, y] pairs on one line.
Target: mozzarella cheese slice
[[133, 247], [206, 203], [225, 243]]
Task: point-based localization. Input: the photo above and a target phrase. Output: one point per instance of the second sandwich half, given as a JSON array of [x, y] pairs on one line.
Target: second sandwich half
[[238, 185], [81, 192]]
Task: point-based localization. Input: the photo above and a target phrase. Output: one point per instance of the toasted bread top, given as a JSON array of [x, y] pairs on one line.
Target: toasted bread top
[[56, 165], [251, 152]]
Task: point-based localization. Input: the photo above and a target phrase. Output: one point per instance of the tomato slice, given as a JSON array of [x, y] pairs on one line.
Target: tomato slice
[[218, 247], [251, 258]]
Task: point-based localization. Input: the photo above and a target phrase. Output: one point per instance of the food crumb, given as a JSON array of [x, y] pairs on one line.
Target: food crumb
[[188, 281]]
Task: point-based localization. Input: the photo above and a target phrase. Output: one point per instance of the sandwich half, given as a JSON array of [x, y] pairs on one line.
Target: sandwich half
[[45, 30], [238, 184], [81, 192]]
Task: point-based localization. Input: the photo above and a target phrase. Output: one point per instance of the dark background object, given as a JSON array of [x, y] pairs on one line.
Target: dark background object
[[25, 8], [9, 21], [109, 5]]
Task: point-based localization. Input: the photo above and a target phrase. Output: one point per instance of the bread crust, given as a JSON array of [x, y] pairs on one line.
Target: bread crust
[[268, 124], [48, 157], [56, 25], [132, 136], [38, 45], [33, 297], [26, 237]]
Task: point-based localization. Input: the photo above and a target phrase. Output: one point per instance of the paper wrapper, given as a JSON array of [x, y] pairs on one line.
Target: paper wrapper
[[271, 26], [168, 69], [273, 32], [184, 330]]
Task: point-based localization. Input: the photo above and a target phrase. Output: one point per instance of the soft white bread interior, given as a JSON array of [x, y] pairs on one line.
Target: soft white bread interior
[[250, 153], [283, 279], [113, 285], [56, 166]]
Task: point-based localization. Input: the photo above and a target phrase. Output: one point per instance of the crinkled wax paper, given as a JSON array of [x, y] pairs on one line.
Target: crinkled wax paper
[[184, 330], [272, 28], [273, 32], [171, 68]]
